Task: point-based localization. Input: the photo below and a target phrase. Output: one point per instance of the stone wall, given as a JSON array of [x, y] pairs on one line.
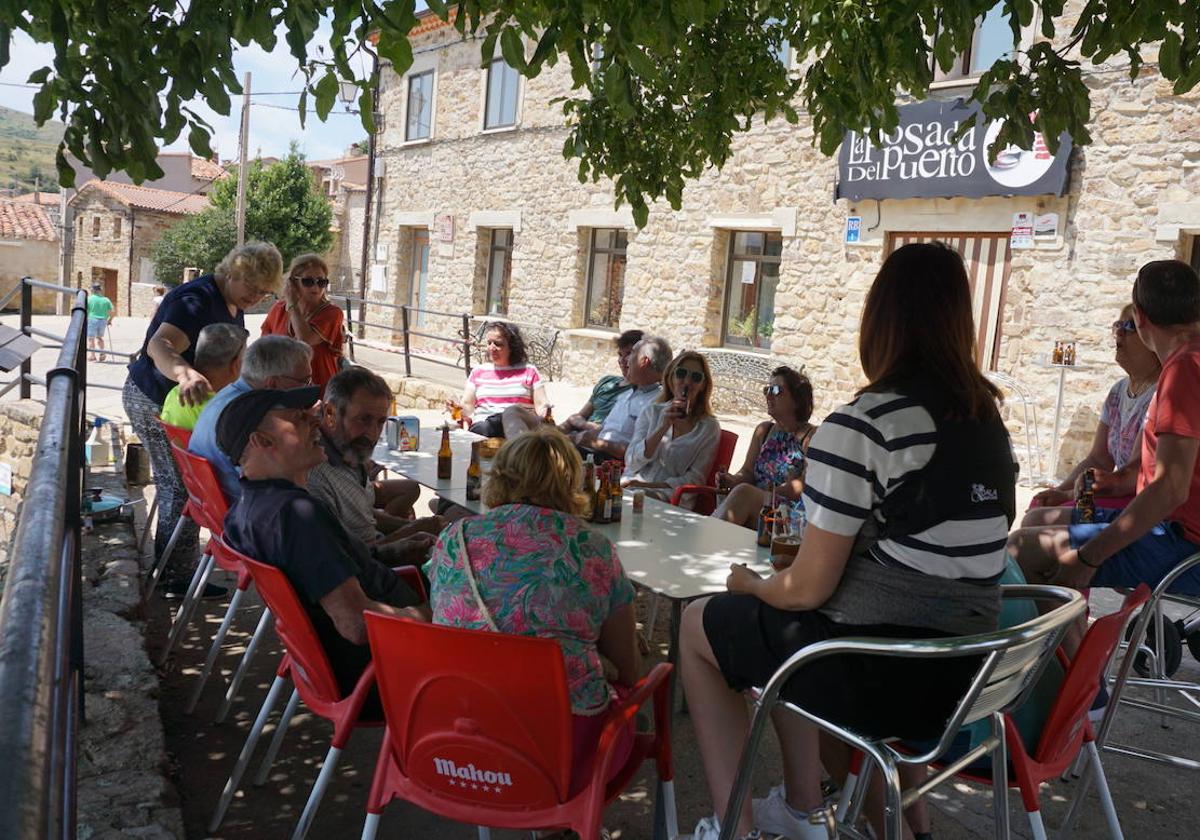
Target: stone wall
[[1134, 195], [20, 421]]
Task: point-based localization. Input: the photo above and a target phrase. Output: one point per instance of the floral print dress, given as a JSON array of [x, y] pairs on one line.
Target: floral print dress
[[780, 459], [540, 572]]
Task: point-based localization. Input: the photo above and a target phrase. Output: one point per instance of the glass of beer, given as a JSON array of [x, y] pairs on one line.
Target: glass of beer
[[785, 540]]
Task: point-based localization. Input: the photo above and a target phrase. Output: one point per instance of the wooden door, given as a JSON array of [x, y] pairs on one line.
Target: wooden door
[[987, 258]]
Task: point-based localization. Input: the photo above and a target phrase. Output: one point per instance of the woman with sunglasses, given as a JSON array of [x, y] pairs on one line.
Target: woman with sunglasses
[[1116, 453], [774, 466], [306, 314], [675, 439], [167, 359]]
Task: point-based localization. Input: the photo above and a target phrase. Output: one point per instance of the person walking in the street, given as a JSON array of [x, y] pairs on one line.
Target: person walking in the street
[[100, 315], [167, 357]]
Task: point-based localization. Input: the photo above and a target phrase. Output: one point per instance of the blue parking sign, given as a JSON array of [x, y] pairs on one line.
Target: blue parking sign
[[853, 225]]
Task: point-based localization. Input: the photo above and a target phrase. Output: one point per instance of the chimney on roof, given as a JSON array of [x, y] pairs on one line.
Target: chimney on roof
[[215, 158]]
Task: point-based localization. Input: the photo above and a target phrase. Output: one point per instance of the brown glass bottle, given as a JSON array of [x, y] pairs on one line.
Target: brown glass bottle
[[474, 474], [445, 456], [602, 512], [615, 494]]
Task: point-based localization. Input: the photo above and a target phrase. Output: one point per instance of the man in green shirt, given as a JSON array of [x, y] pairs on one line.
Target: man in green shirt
[[100, 315], [219, 350], [604, 396]]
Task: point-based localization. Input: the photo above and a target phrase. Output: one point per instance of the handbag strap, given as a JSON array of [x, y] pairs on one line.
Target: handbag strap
[[465, 559]]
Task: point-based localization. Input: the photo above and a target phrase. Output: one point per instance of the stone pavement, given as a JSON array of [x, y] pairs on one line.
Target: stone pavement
[[124, 794]]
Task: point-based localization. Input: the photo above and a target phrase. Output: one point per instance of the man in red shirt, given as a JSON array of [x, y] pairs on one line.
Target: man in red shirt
[[1161, 526]]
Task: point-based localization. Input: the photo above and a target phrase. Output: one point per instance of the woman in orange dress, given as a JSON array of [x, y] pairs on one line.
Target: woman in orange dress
[[305, 313]]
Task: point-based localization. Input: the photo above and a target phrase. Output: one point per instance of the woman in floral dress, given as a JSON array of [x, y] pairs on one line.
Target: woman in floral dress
[[529, 567], [774, 466]]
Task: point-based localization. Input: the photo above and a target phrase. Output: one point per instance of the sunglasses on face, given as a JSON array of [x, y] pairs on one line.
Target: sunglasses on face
[[772, 390], [1124, 327], [682, 374], [309, 282]]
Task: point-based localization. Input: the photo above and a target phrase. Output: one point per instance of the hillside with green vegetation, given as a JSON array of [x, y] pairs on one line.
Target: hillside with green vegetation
[[27, 152]]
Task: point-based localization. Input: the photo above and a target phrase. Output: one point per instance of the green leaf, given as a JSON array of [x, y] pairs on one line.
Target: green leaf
[[398, 51], [38, 77], [66, 172], [326, 93], [366, 107], [1168, 55], [198, 139], [512, 49], [438, 8]]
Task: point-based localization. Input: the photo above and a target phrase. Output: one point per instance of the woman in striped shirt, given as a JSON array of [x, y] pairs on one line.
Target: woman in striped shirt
[[505, 396], [910, 491]]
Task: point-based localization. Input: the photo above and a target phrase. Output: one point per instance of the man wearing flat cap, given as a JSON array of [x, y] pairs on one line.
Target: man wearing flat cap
[[273, 436]]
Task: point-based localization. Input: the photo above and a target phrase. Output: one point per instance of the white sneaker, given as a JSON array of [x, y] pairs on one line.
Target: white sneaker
[[709, 828], [772, 816]]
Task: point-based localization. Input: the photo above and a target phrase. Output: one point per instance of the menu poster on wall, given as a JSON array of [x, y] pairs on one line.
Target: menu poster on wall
[[445, 227], [1022, 231], [1045, 226], [379, 278], [922, 158]]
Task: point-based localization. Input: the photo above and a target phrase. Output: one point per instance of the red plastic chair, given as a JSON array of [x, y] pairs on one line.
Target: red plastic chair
[[177, 434], [306, 664], [206, 507], [706, 494], [479, 731]]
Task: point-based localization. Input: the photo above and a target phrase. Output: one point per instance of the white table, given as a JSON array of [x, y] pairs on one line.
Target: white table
[[1058, 404], [421, 465]]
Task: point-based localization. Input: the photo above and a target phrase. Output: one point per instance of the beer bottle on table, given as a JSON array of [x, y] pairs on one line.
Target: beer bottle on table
[[589, 486], [766, 522], [445, 456], [614, 484], [548, 417], [1086, 503], [602, 512], [474, 474]]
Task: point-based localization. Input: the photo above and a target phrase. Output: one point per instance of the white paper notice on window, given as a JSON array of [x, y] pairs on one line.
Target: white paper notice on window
[[748, 272], [379, 278]]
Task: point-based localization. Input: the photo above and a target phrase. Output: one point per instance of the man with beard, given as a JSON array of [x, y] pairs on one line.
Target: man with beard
[[377, 512], [272, 436]]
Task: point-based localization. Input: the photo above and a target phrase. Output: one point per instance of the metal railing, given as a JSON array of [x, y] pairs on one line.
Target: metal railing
[[41, 610], [462, 340]]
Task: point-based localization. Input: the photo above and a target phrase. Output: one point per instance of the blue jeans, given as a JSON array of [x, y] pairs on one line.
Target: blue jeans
[[1147, 560]]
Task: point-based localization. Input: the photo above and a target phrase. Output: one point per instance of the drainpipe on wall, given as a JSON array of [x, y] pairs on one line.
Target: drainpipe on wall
[[129, 277], [366, 245]]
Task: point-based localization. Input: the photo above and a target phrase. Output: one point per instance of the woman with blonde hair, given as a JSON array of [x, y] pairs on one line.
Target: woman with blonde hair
[[167, 358], [529, 567], [306, 314], [675, 439]]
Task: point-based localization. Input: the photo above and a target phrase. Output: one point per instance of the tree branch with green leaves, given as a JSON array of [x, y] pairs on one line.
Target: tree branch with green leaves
[[660, 87]]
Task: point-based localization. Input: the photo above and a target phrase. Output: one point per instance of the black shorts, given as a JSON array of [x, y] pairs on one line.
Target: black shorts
[[489, 426], [871, 695]]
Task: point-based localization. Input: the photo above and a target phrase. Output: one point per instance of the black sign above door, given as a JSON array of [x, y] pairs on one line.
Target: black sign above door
[[921, 159]]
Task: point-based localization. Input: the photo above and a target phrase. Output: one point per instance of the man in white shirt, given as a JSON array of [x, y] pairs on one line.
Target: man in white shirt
[[649, 359]]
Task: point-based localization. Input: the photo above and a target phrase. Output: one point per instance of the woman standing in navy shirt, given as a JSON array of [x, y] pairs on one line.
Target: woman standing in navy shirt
[[242, 279]]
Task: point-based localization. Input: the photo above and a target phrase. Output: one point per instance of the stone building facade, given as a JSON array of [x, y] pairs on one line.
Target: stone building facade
[[28, 248], [475, 187], [113, 228]]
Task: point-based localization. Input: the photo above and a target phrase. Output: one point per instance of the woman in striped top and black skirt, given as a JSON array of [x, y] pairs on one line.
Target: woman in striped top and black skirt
[[910, 493]]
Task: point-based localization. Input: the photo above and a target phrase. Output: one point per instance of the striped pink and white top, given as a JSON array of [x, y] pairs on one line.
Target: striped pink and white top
[[496, 388]]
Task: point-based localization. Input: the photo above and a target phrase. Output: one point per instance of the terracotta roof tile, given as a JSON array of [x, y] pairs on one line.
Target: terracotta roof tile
[[22, 220], [44, 198], [206, 170], [148, 198]]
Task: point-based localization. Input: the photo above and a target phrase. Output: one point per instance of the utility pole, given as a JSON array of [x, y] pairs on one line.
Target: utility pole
[[371, 152], [243, 141]]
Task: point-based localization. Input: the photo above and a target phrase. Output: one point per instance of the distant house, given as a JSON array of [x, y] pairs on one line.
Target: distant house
[[113, 228], [343, 181], [28, 248]]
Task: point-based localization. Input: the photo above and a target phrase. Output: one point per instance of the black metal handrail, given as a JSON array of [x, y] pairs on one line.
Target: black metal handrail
[[462, 340], [41, 610]]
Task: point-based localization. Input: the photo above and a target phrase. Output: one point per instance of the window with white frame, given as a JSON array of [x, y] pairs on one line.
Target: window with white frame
[[419, 122], [992, 41], [499, 273], [606, 277], [503, 86], [753, 276]]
